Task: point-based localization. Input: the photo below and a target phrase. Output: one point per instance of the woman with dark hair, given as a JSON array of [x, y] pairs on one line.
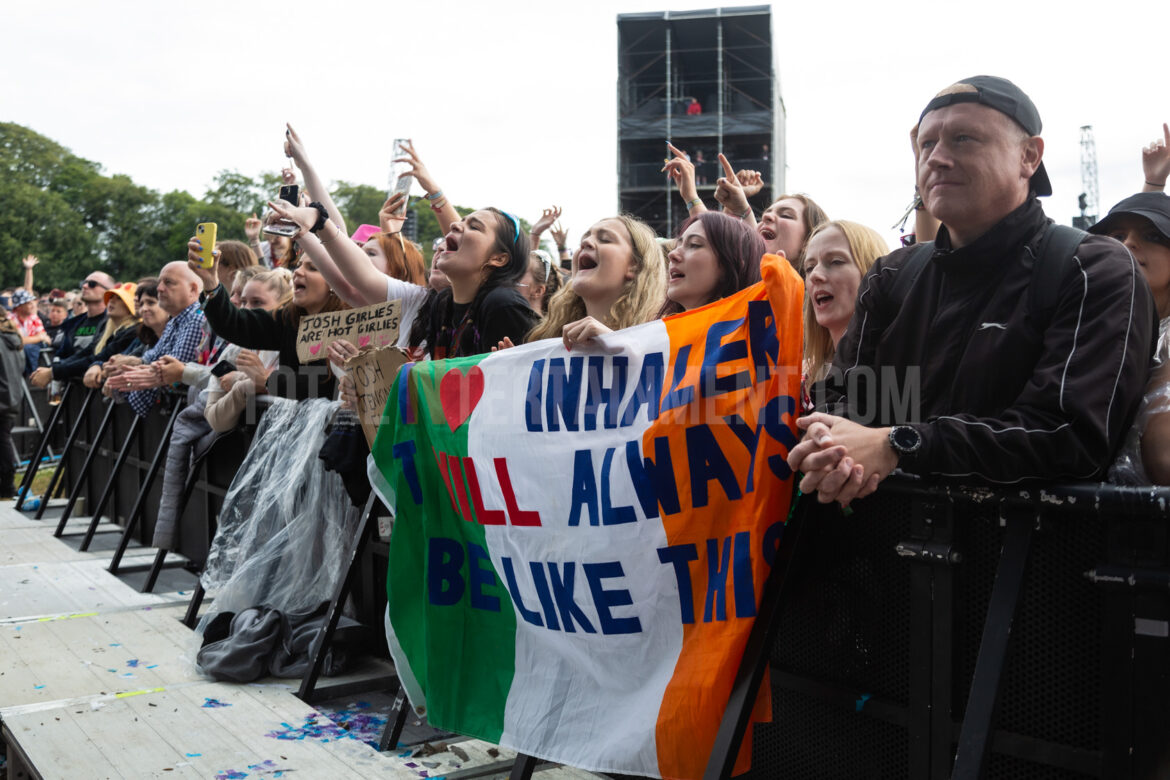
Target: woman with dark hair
[[716, 256], [484, 255], [786, 225], [277, 330]]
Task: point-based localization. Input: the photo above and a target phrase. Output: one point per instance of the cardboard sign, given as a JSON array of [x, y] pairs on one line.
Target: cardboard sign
[[368, 327], [373, 372]]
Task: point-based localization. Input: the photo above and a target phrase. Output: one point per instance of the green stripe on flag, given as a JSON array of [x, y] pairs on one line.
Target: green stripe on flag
[[449, 608]]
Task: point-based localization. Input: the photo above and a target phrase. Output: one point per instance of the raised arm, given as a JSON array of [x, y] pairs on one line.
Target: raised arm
[[29, 263], [730, 194], [346, 268], [547, 218], [295, 148], [440, 204], [682, 171], [1156, 162]]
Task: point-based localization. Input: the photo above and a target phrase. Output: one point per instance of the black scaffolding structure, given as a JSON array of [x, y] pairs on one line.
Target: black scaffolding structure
[[705, 80]]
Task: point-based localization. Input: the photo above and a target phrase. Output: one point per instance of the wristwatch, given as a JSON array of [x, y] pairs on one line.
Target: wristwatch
[[905, 441]]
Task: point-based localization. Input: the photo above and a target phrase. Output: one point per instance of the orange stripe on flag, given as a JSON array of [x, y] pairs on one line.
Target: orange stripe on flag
[[696, 697]]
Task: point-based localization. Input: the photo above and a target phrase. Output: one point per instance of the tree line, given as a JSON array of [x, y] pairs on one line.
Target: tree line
[[75, 219]]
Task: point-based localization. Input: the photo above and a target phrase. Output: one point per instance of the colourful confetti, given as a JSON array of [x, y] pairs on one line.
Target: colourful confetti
[[194, 755], [132, 663], [352, 724], [213, 703], [230, 774]]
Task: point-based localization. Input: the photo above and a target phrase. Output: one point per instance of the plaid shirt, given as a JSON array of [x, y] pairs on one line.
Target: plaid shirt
[[180, 339]]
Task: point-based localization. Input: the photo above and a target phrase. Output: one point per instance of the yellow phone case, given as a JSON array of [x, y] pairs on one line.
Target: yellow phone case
[[205, 232]]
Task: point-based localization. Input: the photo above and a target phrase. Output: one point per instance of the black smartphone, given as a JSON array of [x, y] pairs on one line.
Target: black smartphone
[[290, 193], [222, 368]]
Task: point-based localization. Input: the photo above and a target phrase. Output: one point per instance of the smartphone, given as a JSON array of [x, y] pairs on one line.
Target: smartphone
[[401, 182], [290, 193], [222, 368], [281, 228], [205, 232]]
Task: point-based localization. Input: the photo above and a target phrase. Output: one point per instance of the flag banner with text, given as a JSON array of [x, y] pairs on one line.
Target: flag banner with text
[[581, 538]]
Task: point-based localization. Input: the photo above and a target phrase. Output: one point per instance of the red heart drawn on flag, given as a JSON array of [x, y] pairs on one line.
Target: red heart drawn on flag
[[459, 393], [313, 350], [363, 341], [384, 339]]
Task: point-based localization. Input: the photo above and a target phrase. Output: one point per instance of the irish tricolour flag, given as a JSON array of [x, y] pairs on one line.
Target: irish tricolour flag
[[581, 538]]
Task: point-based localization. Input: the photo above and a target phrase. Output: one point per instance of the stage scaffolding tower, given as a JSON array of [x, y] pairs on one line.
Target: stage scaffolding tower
[[706, 81]]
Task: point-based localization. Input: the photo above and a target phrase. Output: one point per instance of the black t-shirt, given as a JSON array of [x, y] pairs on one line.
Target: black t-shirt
[[502, 312]]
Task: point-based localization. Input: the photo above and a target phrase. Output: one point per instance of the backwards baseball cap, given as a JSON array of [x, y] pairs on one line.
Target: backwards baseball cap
[[1006, 98], [1154, 206]]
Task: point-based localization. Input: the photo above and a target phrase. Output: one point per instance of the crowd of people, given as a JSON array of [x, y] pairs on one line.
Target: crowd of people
[[1026, 356]]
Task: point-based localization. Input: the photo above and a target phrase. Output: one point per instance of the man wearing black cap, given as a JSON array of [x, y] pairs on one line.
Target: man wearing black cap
[[983, 356]]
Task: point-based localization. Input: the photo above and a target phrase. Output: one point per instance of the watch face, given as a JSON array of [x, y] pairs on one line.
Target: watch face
[[906, 438]]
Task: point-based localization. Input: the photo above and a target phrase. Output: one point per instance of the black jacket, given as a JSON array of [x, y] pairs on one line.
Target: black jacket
[[1003, 397], [258, 329], [11, 370]]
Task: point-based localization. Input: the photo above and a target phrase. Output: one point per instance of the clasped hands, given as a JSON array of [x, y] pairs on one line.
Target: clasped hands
[[841, 460]]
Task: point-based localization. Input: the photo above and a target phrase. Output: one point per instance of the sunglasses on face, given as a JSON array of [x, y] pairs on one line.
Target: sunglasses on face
[[92, 283]]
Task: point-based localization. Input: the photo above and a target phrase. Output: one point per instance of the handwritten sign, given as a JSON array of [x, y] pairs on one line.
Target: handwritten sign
[[369, 327], [374, 372]]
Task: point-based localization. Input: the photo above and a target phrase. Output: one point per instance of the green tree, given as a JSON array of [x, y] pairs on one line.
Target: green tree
[[359, 204]]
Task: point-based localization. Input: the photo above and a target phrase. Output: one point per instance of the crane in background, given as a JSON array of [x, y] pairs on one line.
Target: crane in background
[[1087, 200]]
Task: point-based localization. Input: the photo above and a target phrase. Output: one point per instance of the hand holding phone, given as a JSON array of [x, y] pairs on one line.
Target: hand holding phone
[[205, 232]]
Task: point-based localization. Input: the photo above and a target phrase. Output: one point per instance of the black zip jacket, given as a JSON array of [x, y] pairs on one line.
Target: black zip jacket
[[1002, 396]]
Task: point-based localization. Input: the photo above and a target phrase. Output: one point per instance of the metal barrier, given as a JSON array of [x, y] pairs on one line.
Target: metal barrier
[[1054, 599], [881, 638]]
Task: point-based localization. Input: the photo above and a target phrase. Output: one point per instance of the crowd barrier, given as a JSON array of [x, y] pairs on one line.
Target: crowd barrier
[[897, 606], [1025, 631]]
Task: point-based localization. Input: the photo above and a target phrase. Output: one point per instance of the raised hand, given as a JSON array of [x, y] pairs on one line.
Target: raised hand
[[392, 216], [294, 148], [288, 176], [1156, 162], [682, 171], [417, 169], [303, 217], [730, 193], [547, 218], [560, 235], [502, 344], [751, 181], [195, 263], [252, 226], [30, 262]]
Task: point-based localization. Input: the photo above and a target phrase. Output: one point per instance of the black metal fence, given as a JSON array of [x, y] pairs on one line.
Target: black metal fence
[[872, 671], [880, 635]]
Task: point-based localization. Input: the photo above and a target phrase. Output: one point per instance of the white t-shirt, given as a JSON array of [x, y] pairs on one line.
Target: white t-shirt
[[412, 297]]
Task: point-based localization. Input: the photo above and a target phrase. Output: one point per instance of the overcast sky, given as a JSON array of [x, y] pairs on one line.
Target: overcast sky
[[514, 104]]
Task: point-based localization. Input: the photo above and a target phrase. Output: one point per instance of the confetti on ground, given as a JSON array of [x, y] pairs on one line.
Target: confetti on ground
[[194, 755], [152, 666], [132, 663], [213, 703], [38, 687], [351, 724], [230, 774]]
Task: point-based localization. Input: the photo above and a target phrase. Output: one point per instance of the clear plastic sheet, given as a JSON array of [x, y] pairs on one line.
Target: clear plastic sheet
[[1127, 469], [286, 524]]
